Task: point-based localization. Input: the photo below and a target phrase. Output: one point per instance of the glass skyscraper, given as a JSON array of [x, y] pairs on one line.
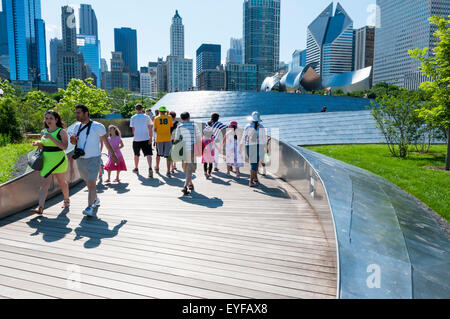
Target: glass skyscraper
[[235, 53], [208, 57], [88, 20], [125, 41], [4, 54], [89, 47], [26, 40], [330, 42], [403, 26], [262, 36]]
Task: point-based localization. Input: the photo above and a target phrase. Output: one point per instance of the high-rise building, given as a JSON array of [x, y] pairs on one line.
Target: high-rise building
[[104, 65], [179, 69], [161, 73], [26, 40], [364, 41], [4, 54], [88, 21], [208, 57], [262, 36], [177, 36], [54, 43], [148, 83], [70, 62], [118, 77], [125, 41], [298, 58], [241, 77], [235, 52], [330, 42], [404, 25], [179, 74], [89, 47], [211, 80]]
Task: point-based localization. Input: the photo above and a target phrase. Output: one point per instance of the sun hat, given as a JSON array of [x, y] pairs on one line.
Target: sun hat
[[163, 109], [256, 117]]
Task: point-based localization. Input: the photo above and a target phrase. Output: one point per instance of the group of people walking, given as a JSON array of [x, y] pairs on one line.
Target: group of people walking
[[176, 141]]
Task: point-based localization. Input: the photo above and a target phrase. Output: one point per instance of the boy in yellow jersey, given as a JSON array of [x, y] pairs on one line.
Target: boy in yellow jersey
[[163, 123]]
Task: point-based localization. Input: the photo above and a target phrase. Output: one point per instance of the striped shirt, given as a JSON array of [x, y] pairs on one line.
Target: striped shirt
[[217, 128], [189, 133]]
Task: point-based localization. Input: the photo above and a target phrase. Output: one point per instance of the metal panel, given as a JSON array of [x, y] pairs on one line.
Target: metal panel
[[381, 232]]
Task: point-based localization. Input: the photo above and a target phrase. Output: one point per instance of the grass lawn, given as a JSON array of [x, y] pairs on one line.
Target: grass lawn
[[430, 186], [9, 155]]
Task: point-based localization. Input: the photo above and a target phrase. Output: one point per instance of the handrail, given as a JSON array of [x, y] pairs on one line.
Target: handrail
[[387, 246]]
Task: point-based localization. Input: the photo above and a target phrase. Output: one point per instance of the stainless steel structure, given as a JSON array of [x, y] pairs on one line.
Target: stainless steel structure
[[387, 246], [307, 79]]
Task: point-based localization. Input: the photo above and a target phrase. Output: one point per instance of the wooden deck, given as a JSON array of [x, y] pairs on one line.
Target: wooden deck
[[224, 241]]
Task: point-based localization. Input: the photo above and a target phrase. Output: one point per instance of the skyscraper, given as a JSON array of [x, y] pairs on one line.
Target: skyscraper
[[125, 41], [262, 36], [364, 47], [70, 63], [403, 26], [298, 58], [161, 75], [208, 57], [235, 52], [26, 40], [89, 47], [330, 42], [179, 69], [118, 77], [88, 21], [4, 54], [177, 36], [54, 43]]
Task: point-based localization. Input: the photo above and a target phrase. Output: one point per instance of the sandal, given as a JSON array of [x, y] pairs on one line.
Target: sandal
[[185, 191], [66, 204], [191, 187], [37, 211]]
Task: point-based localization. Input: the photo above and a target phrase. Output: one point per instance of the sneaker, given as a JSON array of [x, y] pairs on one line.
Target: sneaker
[[150, 173], [88, 212], [96, 203]]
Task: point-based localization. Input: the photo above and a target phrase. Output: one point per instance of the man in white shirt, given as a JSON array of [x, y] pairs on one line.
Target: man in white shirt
[[88, 137], [142, 127]]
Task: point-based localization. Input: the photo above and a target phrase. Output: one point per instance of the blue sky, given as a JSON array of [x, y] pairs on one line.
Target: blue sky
[[205, 21]]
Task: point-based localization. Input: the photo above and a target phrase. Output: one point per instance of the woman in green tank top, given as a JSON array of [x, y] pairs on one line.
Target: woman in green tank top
[[54, 142]]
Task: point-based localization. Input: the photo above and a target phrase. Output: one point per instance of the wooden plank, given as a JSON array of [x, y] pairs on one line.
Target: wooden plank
[[15, 293]]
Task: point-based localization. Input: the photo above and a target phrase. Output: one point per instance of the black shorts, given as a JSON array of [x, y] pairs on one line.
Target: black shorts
[[144, 146]]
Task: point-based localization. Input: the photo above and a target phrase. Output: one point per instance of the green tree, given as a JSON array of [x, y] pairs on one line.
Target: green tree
[[437, 66], [396, 118], [32, 110], [82, 92], [118, 98]]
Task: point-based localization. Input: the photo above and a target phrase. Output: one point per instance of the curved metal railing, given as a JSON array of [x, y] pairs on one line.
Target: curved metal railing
[[387, 246]]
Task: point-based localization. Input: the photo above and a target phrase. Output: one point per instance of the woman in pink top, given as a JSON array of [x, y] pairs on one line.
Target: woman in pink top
[[208, 151], [116, 143]]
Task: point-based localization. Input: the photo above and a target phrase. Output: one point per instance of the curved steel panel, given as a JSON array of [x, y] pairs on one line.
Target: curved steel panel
[[387, 246], [202, 104]]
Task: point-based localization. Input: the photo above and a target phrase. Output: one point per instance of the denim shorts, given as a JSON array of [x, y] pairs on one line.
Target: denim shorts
[[254, 153]]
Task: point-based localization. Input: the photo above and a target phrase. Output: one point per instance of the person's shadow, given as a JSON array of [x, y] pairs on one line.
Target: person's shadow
[[119, 188], [52, 229], [96, 229], [152, 182], [202, 200]]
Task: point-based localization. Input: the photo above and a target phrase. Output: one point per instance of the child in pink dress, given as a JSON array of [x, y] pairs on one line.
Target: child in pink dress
[[208, 151], [116, 143]]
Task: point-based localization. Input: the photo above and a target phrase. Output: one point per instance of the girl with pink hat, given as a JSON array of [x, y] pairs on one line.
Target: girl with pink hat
[[234, 151]]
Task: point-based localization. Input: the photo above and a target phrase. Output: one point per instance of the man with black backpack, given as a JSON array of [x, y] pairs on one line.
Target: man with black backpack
[[88, 138]]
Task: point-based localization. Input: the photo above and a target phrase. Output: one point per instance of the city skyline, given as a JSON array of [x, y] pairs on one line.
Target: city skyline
[[227, 17]]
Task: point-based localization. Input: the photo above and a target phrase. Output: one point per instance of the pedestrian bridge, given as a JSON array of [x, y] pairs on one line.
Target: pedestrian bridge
[[316, 228]]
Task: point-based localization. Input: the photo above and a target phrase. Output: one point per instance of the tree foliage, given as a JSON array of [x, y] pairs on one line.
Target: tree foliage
[[436, 65]]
